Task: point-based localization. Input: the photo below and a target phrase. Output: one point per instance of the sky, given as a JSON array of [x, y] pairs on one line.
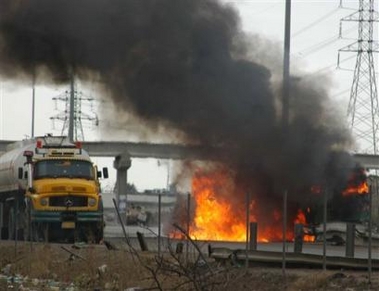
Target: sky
[[315, 41]]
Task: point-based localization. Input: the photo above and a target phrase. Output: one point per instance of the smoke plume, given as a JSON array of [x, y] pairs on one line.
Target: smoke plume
[[185, 64]]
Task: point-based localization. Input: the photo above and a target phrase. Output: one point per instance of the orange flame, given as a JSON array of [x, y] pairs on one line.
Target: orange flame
[[360, 189], [220, 212], [215, 217], [301, 219], [357, 184]]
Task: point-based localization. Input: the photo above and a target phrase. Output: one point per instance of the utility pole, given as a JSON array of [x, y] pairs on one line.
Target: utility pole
[[285, 117], [72, 111], [33, 102], [73, 115], [286, 67], [363, 108]]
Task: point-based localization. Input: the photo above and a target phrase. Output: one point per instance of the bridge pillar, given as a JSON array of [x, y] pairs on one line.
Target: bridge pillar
[[122, 163]]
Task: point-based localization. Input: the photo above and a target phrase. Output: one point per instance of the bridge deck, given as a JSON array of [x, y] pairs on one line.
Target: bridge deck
[[170, 151]]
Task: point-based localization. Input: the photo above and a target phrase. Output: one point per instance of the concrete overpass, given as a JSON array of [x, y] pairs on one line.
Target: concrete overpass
[[368, 161], [169, 151]]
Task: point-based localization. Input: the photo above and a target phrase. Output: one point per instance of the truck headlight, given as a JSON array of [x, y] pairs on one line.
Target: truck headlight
[[91, 202], [44, 201]]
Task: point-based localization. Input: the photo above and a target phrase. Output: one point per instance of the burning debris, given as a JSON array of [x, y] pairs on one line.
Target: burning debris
[[220, 208], [357, 183], [185, 64]]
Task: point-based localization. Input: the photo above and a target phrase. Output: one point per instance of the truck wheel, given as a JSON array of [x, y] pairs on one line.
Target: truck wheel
[[94, 234]]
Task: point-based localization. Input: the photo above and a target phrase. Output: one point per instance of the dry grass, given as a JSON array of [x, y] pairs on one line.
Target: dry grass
[[95, 266]]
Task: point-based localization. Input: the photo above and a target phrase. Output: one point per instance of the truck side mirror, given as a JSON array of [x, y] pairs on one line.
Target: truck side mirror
[[105, 172], [99, 174], [20, 173]]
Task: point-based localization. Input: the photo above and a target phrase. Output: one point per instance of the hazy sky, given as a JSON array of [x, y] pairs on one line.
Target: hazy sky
[[315, 42]]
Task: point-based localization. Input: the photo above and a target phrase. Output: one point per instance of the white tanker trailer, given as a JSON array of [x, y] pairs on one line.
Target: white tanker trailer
[[49, 190]]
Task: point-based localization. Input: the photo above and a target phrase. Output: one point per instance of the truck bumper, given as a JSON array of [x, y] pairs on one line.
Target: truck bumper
[[60, 216]]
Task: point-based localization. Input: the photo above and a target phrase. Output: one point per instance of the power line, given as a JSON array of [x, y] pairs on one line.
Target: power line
[[326, 68], [341, 93], [324, 43], [318, 46], [322, 18]]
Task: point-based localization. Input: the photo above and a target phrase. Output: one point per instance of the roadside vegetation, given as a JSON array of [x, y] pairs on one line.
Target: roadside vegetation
[[40, 267]]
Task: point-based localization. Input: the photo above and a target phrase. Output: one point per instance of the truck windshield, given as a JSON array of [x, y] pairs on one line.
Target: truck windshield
[[63, 168]]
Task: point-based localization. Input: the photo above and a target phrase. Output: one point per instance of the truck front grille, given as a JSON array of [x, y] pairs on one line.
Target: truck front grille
[[68, 201]]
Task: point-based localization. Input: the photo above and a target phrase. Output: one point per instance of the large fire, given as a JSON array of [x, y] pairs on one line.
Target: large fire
[[357, 184], [221, 213], [220, 208]]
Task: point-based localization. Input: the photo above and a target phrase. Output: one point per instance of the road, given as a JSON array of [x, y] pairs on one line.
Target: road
[[115, 233]]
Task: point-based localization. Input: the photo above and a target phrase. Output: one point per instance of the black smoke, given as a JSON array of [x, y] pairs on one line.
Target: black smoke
[[184, 63]]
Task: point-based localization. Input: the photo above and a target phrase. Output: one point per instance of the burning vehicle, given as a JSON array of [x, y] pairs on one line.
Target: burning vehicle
[[218, 215]]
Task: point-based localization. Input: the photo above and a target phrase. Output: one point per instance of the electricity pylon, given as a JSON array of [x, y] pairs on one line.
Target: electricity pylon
[[363, 108], [72, 116]]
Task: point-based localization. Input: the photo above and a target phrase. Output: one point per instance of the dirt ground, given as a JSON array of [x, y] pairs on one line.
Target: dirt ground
[[58, 267]]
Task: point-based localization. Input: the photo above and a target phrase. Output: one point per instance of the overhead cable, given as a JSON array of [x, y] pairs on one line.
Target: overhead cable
[[318, 46], [314, 23]]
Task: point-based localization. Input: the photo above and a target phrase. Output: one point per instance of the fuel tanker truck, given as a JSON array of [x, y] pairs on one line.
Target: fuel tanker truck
[[50, 191]]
